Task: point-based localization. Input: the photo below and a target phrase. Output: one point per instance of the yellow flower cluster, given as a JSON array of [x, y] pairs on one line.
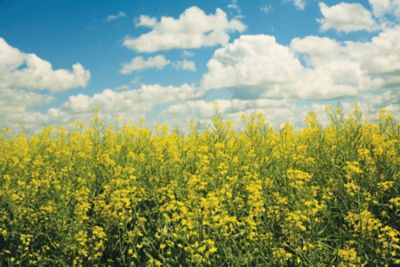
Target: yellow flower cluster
[[227, 195]]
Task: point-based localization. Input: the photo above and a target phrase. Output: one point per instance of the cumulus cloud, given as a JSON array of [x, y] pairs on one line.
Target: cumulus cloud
[[254, 66], [27, 81], [184, 65], [378, 58], [302, 76], [116, 16], [283, 81], [14, 101], [132, 103], [193, 29], [346, 17], [313, 67], [27, 71], [140, 63], [382, 8], [252, 62]]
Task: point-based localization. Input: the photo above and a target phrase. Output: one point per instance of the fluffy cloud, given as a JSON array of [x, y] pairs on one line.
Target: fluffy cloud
[[27, 71], [378, 58], [193, 29], [184, 65], [128, 103], [283, 81], [310, 68], [382, 8], [27, 81], [253, 62], [346, 17], [14, 101], [302, 76], [140, 63], [256, 66]]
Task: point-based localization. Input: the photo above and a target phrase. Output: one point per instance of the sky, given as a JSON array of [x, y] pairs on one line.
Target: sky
[[176, 61]]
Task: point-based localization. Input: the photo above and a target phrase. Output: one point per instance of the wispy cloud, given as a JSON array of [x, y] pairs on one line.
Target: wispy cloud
[[184, 65], [116, 16], [300, 4], [266, 8], [234, 6], [187, 53], [140, 63]]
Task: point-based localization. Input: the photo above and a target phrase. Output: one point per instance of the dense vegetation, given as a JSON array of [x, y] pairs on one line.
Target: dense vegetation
[[130, 196]]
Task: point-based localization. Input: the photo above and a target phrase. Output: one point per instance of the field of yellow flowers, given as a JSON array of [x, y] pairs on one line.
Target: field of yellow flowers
[[224, 196]]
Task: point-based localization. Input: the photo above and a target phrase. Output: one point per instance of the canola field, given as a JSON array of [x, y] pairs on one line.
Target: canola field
[[255, 195]]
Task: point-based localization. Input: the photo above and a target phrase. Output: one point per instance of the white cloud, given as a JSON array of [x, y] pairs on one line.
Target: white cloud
[[257, 66], [328, 71], [346, 17], [254, 62], [140, 63], [28, 121], [376, 63], [382, 8], [14, 101], [333, 80], [27, 81], [27, 71], [116, 16], [317, 49], [283, 81], [379, 57], [184, 65], [128, 103], [193, 29]]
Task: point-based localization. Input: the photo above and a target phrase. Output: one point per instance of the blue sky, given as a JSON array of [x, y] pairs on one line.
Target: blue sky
[[282, 57]]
